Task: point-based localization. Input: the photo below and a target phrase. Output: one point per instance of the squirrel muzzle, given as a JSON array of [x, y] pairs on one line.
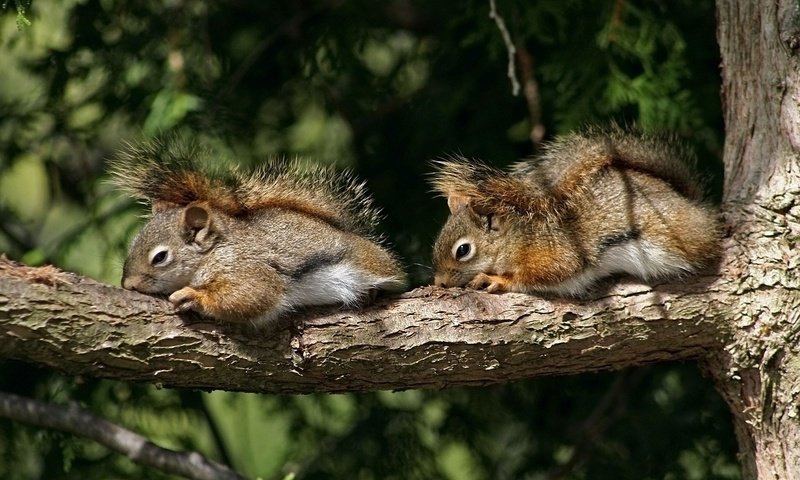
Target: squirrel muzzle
[[131, 282]]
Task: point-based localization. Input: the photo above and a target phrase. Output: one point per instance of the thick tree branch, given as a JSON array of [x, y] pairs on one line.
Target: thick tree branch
[[427, 338], [76, 420]]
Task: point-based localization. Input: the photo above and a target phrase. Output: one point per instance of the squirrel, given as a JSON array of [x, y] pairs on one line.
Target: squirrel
[[249, 246], [595, 203]]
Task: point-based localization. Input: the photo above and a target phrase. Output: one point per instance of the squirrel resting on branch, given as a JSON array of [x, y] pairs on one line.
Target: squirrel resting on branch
[[595, 203], [251, 246]]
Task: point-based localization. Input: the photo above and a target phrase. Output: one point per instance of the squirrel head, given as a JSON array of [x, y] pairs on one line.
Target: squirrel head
[[469, 243], [487, 206], [165, 254]]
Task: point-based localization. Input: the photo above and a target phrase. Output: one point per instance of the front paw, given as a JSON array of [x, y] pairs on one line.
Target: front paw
[[490, 283], [185, 299]]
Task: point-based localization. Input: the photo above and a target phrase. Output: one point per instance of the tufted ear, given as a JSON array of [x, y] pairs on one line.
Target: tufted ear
[[198, 225], [482, 215], [458, 203]]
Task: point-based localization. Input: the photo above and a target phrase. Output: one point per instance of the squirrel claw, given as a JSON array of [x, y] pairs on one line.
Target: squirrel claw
[[184, 299], [495, 287], [490, 283]]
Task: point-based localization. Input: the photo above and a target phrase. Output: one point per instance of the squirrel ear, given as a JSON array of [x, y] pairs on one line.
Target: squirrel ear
[[198, 225], [481, 215], [495, 222], [487, 218], [457, 203]]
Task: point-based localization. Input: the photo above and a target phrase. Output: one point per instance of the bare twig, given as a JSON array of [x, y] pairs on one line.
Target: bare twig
[[532, 97], [512, 50], [76, 420], [616, 20]]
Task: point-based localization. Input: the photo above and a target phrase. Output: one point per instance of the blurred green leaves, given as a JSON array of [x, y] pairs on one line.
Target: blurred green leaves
[[169, 109], [21, 7]]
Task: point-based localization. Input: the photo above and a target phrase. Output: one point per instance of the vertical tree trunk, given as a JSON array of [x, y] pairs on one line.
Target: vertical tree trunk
[[759, 372]]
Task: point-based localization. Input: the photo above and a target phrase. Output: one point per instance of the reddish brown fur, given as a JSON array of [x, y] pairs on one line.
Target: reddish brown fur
[[228, 301], [579, 176], [542, 265], [297, 205]]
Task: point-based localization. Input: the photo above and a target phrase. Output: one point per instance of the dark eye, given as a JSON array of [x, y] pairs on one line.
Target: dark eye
[[159, 257], [463, 249]]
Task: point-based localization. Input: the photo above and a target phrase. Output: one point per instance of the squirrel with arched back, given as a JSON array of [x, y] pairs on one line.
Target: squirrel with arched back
[[250, 246], [595, 203]]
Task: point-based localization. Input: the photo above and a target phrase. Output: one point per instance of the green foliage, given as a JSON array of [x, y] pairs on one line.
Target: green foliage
[[381, 88], [21, 7]]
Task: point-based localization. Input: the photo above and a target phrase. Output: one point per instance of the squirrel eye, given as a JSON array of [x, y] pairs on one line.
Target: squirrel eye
[[159, 256], [463, 250]]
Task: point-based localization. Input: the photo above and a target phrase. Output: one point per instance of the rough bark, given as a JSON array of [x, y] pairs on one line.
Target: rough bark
[[427, 338], [758, 372]]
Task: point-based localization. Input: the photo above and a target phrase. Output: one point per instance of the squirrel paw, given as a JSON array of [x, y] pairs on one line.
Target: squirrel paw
[[185, 299], [490, 283]]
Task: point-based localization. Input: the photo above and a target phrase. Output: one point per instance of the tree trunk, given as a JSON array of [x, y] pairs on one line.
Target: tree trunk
[[758, 373]]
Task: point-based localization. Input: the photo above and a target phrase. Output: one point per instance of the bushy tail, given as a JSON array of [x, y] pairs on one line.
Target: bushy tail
[[174, 172], [571, 161], [566, 169]]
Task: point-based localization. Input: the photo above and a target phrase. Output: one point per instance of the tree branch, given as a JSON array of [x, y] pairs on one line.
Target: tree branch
[[429, 337], [76, 420]]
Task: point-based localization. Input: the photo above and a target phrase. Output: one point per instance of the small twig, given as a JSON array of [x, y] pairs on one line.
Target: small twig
[[512, 50], [616, 20], [192, 399], [532, 97], [76, 420]]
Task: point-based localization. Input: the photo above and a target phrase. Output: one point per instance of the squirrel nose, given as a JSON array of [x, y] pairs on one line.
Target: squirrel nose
[[440, 280], [129, 283]]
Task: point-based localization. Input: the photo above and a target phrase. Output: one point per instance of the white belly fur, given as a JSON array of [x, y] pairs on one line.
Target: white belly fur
[[337, 284], [639, 258]]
